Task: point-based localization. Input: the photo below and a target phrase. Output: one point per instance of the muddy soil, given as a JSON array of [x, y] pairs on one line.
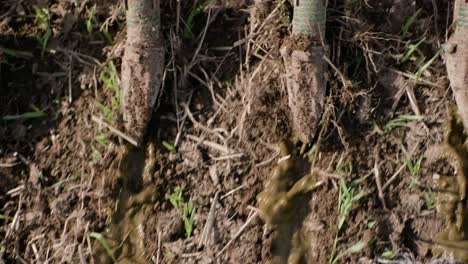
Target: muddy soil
[[69, 185]]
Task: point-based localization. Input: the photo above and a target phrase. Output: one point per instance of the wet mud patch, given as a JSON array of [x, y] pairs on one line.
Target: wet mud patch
[[281, 206], [125, 233], [451, 191]]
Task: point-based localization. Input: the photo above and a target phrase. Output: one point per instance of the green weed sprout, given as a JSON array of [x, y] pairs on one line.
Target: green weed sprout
[[188, 32], [42, 21], [187, 209], [105, 244]]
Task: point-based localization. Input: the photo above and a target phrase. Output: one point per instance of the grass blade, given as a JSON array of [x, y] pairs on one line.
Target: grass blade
[[169, 147], [103, 241], [188, 34], [27, 115], [16, 53], [402, 121], [356, 248], [409, 22], [412, 49], [425, 66]]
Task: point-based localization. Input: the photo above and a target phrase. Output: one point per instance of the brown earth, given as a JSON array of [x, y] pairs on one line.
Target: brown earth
[[225, 109]]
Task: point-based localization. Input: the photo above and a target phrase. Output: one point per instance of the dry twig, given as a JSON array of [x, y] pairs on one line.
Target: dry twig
[[115, 130], [239, 232], [378, 181]]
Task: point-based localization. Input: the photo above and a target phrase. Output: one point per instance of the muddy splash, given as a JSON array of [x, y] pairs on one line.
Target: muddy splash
[[451, 202], [283, 205], [125, 233]]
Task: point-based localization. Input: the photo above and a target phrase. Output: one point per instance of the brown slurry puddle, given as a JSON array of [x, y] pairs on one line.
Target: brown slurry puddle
[[283, 205], [451, 197], [125, 233]]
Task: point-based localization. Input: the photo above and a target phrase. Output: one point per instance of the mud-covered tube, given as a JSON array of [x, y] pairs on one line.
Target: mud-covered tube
[[461, 14], [309, 18], [142, 66], [456, 58]]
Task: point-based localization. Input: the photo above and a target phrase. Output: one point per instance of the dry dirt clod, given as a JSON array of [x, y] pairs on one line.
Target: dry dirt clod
[[142, 66], [456, 57]]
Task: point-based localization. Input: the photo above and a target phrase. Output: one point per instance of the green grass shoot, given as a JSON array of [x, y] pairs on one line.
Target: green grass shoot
[[60, 183], [409, 22], [348, 195], [105, 244], [169, 146], [402, 121], [356, 248], [388, 254], [188, 218], [8, 52], [90, 21], [176, 198], [102, 139], [424, 67], [188, 211], [28, 115], [371, 224], [188, 32], [430, 199], [96, 155], [413, 166], [105, 111], [42, 21], [411, 50], [312, 154], [110, 78], [15, 53]]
